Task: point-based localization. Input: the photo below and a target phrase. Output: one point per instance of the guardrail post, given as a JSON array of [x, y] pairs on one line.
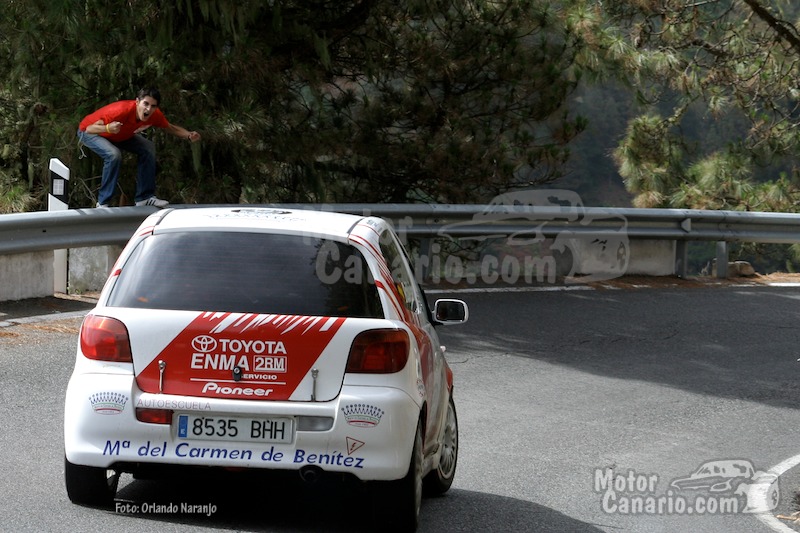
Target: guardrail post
[[681, 259], [57, 201], [722, 259]]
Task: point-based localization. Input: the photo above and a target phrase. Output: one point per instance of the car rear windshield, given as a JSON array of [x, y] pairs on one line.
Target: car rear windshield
[[249, 273]]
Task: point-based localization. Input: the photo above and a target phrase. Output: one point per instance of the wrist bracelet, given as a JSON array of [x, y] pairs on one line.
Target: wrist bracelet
[[107, 130]]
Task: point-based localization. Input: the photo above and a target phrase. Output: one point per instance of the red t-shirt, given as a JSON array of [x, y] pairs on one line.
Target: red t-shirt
[[124, 111]]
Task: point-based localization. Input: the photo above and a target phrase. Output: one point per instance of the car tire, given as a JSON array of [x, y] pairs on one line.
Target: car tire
[[89, 485], [399, 502], [439, 480]]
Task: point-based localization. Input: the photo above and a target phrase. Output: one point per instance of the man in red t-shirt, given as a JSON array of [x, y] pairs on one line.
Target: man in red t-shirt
[[117, 127]]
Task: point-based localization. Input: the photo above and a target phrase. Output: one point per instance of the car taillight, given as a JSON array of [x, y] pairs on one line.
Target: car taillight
[[105, 339], [380, 351], [154, 416]]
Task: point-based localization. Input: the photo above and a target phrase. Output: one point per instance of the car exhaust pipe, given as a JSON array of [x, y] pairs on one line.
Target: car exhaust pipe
[[311, 474]]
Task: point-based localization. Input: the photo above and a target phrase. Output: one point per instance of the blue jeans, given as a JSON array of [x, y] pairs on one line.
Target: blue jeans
[[111, 153]]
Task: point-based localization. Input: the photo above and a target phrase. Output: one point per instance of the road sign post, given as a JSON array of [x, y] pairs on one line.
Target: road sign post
[[57, 200]]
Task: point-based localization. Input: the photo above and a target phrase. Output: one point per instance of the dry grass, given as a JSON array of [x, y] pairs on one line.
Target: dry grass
[[639, 282], [54, 327]]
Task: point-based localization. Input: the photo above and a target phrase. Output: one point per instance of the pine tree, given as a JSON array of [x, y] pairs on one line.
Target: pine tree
[[298, 100]]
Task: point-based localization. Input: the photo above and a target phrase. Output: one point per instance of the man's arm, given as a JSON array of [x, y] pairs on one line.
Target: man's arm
[[183, 133], [101, 127]]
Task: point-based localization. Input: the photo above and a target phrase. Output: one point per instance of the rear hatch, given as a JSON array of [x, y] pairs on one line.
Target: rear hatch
[[240, 356], [246, 315]]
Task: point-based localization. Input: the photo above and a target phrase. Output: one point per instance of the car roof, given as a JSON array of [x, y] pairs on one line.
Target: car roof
[[266, 219]]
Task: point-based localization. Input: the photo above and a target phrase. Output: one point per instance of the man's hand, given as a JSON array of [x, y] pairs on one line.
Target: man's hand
[[193, 136], [101, 127]]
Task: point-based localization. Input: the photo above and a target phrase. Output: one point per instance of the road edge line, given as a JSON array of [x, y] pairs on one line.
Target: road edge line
[[759, 497]]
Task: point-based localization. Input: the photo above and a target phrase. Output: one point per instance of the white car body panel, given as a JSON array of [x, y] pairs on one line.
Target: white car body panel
[[374, 417]]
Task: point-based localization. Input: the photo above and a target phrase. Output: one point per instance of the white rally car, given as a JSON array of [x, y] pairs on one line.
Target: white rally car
[[264, 338]]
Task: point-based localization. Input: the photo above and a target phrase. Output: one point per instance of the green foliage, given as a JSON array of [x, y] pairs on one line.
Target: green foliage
[[725, 76], [650, 160], [716, 85], [298, 100]]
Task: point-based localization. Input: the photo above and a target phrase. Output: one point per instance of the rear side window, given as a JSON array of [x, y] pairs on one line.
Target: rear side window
[[248, 273]]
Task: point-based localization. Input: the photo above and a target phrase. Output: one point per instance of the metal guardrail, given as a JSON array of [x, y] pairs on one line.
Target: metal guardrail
[[74, 228], [672, 224], [30, 232], [27, 232]]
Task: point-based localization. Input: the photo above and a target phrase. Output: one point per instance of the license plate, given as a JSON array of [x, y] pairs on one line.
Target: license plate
[[238, 429]]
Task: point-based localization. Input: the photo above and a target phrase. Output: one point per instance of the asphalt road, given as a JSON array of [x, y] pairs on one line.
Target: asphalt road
[[552, 389]]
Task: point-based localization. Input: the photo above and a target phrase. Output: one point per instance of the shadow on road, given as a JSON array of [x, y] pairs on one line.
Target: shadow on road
[[258, 501], [737, 343]]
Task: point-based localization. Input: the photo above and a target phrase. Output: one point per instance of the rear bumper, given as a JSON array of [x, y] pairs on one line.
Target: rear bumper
[[371, 436]]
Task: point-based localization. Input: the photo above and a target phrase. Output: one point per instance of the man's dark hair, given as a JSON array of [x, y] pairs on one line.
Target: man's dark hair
[[152, 92]]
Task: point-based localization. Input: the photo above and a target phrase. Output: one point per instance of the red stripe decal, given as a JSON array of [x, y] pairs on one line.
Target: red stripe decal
[[248, 357]]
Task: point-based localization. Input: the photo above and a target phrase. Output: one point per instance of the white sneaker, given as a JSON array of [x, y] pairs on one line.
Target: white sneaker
[[104, 206], [153, 201]]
